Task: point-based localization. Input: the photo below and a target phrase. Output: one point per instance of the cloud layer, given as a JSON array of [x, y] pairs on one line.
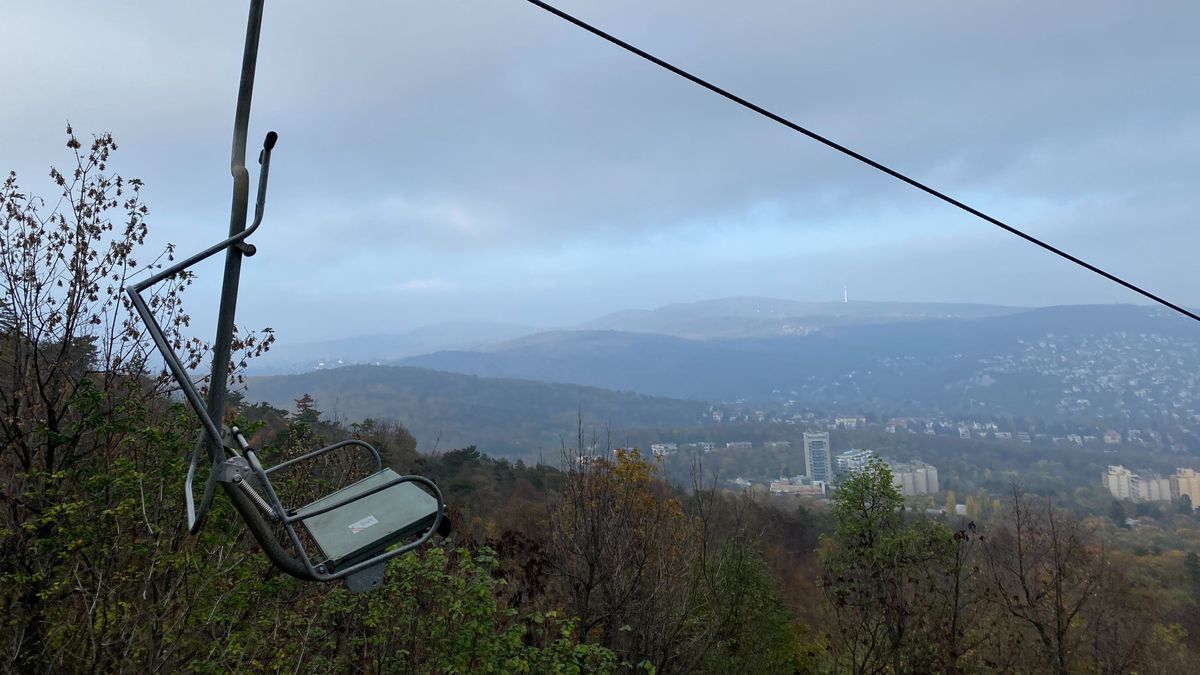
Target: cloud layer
[[482, 159]]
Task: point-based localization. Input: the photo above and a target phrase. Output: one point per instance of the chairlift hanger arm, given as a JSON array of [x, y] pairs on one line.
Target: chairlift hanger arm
[[175, 366], [212, 414], [405, 508]]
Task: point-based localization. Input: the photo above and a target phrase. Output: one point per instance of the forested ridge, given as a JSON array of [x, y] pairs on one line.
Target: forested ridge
[[591, 564], [500, 416]]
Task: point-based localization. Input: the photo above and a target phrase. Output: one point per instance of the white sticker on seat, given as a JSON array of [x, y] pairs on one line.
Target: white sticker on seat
[[363, 524]]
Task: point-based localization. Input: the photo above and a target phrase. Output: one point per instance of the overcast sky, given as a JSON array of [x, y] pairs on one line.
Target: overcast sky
[[481, 159]]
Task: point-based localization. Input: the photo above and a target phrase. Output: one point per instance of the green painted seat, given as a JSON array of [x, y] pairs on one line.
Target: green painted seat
[[361, 529]]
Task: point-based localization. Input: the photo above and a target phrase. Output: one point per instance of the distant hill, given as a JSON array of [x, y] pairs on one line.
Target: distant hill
[[500, 416], [303, 357], [726, 318], [658, 365], [1080, 362], [1028, 362], [745, 317]]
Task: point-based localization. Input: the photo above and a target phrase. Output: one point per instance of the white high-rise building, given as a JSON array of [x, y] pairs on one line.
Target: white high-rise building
[[1186, 482], [1149, 488], [818, 462], [1117, 480]]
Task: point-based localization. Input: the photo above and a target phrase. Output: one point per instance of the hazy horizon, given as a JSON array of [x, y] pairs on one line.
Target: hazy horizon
[[583, 324]]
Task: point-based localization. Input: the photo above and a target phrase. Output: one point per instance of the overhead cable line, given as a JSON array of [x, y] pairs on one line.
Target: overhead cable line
[[856, 155]]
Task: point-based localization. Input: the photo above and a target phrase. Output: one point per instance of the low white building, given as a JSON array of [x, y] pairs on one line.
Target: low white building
[[915, 478], [794, 486], [849, 422], [853, 461], [661, 449]]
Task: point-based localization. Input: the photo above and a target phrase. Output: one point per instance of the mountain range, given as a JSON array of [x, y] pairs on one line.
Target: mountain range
[[662, 368], [926, 363], [719, 319], [749, 317]]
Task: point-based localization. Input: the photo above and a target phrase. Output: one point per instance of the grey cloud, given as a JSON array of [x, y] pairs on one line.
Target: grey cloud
[[451, 129]]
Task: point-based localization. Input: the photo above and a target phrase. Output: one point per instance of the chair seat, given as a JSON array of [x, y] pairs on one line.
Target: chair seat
[[358, 530]]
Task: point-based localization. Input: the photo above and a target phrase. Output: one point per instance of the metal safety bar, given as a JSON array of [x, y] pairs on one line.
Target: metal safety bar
[[317, 453]]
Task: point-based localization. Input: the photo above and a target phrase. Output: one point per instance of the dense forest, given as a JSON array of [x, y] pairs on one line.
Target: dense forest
[[591, 563]]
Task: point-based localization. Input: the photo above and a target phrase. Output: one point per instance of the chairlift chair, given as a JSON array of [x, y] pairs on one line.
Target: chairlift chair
[[353, 528]]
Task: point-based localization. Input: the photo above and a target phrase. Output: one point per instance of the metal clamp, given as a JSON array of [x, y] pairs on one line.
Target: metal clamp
[[233, 470]]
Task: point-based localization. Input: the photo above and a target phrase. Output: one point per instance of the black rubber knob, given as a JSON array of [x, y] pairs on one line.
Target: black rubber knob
[[270, 141]]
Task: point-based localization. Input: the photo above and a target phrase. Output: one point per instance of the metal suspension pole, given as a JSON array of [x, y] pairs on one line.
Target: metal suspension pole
[[222, 345], [232, 472]]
